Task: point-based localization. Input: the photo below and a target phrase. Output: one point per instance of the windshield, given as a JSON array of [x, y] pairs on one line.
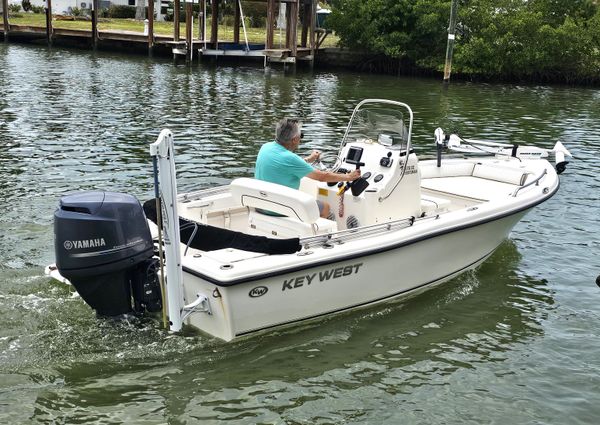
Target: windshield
[[379, 123]]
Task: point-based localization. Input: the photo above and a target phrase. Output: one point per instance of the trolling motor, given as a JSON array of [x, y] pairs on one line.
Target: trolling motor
[[455, 143], [441, 141], [104, 247]]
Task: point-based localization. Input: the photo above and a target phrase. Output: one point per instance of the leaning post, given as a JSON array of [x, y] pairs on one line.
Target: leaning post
[[5, 18], [49, 21], [451, 37]]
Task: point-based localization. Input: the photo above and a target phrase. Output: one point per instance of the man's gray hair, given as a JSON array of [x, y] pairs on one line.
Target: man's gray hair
[[287, 129]]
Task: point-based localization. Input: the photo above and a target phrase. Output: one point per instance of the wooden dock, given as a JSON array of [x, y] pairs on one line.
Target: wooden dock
[[208, 45]]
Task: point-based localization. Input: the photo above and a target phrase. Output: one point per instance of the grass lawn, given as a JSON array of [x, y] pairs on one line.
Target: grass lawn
[[255, 35]]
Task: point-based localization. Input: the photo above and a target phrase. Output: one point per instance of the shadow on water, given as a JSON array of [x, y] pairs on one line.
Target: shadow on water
[[67, 356], [71, 121]]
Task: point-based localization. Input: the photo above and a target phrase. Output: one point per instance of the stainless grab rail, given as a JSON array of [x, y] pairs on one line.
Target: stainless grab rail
[[199, 194], [361, 232], [535, 181]]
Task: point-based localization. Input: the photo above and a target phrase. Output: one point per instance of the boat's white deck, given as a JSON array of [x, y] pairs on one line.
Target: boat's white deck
[[463, 187], [469, 187]]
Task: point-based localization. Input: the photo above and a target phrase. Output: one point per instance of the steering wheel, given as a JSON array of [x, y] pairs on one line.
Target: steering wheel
[[322, 163]]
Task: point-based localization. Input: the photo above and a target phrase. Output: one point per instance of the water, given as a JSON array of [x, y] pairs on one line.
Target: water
[[515, 341]]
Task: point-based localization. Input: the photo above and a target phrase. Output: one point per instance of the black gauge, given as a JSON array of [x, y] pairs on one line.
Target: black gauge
[[366, 175], [378, 178]]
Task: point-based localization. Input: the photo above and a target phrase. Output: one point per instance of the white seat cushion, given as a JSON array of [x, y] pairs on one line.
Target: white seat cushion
[[275, 197], [499, 173], [470, 187], [288, 227]]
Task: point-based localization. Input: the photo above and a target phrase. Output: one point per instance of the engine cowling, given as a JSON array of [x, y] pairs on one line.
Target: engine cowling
[[104, 247]]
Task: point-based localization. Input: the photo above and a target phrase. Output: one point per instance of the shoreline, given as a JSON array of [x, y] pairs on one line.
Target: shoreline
[[324, 59]]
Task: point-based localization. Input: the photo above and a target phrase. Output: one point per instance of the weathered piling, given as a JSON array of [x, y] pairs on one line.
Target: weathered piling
[[5, 19], [49, 22]]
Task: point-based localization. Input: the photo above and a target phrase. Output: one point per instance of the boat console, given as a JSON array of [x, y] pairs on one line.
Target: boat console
[[377, 142]]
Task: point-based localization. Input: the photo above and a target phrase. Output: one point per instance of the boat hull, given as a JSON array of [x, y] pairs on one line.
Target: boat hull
[[347, 283]]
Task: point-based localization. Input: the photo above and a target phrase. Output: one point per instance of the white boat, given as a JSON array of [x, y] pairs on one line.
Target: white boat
[[405, 226]]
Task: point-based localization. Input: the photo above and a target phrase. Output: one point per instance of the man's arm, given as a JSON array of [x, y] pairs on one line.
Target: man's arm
[[328, 176], [314, 155]]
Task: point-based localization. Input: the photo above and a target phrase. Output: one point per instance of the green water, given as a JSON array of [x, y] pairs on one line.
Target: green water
[[515, 341]]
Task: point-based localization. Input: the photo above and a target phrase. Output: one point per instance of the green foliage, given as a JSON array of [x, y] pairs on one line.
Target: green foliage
[[255, 13], [121, 11], [77, 12], [408, 29], [543, 40], [553, 40], [14, 8], [38, 9], [169, 16], [26, 4]]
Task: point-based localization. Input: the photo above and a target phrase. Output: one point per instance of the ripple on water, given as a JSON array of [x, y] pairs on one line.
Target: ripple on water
[[515, 337]]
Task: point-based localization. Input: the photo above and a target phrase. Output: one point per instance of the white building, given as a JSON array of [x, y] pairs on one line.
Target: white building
[[65, 6]]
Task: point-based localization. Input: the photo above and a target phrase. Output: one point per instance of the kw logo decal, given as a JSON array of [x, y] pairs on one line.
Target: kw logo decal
[[259, 291]]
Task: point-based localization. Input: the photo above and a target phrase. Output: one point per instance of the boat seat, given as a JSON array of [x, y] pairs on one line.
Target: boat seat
[[287, 227], [300, 211], [500, 173], [481, 181]]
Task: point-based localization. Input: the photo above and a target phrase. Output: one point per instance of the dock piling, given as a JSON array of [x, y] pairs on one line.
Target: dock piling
[[5, 19], [95, 5], [49, 29], [189, 26], [150, 26], [176, 20], [214, 32]]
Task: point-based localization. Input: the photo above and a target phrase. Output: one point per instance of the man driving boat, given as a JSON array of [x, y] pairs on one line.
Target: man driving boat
[[277, 163]]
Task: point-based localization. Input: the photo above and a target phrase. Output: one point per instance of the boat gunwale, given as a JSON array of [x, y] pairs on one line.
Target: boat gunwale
[[391, 247]]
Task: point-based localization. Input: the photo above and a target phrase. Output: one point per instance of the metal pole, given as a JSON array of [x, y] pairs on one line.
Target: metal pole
[[49, 21], [451, 36], [5, 18], [160, 242]]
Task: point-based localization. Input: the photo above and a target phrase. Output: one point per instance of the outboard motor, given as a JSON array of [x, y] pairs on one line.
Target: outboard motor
[[104, 247]]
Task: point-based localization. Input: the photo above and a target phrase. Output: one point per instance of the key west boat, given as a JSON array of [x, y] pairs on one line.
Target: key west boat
[[231, 270]]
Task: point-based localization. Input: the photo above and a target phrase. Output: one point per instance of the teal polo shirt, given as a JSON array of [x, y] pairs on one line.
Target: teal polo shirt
[[276, 164]]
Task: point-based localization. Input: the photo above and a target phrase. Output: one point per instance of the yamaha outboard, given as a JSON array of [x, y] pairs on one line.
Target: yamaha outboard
[[104, 247]]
